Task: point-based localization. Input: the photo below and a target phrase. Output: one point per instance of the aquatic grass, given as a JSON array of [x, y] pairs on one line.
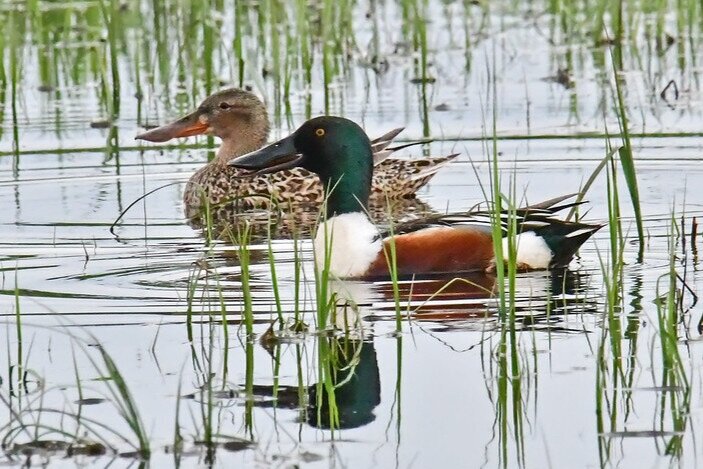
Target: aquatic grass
[[416, 11], [318, 42], [15, 77], [625, 151], [504, 233], [79, 388], [18, 329], [325, 302], [225, 328], [207, 395], [111, 18], [674, 375], [274, 276], [391, 255], [583, 190], [37, 433], [242, 240], [177, 436], [124, 401], [192, 286], [326, 25], [119, 393], [613, 385], [304, 49], [508, 352], [249, 389], [324, 298], [610, 374]]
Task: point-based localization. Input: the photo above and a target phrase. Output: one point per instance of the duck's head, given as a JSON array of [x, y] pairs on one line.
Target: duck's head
[[322, 145], [335, 148], [232, 114]]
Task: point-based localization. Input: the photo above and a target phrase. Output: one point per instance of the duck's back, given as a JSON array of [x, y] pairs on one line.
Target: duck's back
[[218, 184]]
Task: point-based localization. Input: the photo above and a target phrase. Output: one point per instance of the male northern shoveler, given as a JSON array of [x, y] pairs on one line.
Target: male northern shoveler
[[240, 119], [339, 151]]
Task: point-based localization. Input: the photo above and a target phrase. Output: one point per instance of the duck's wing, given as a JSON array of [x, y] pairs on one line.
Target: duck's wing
[[562, 237], [400, 178]]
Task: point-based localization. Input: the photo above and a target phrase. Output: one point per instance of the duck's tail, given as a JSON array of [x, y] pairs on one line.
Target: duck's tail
[[380, 146]]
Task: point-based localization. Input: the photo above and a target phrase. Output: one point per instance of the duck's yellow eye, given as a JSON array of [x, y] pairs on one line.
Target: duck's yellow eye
[[320, 132]]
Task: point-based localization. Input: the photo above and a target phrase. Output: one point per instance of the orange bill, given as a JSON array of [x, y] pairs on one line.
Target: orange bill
[[183, 127]]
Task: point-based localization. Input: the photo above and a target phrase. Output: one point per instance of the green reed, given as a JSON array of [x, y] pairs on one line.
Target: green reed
[[238, 43], [274, 276], [415, 13], [207, 397], [242, 242], [30, 417], [15, 33], [18, 328], [509, 402], [510, 374], [79, 388], [249, 389], [122, 397], [113, 25], [674, 374], [177, 436], [324, 299], [297, 279], [303, 47], [225, 328], [609, 356], [3, 78], [625, 152], [156, 38], [389, 251], [613, 277], [326, 26]]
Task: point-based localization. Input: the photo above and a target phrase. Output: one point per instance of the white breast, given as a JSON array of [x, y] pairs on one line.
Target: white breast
[[532, 250], [349, 240]]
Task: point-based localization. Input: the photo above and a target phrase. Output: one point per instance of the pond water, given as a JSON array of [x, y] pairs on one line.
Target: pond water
[[570, 385]]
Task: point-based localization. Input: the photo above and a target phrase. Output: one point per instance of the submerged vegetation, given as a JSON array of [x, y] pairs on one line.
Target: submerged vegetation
[[226, 343]]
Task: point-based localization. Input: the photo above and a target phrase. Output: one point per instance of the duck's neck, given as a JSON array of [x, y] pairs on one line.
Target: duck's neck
[[242, 139], [348, 184], [231, 148], [344, 195]]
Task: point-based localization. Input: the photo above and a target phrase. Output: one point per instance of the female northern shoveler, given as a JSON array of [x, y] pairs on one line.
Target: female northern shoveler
[[339, 151], [239, 118]]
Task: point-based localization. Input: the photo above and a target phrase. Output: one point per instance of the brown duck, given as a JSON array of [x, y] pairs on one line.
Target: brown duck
[[240, 120]]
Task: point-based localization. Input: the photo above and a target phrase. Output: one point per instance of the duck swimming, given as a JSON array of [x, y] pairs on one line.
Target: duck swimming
[[240, 120], [339, 152]]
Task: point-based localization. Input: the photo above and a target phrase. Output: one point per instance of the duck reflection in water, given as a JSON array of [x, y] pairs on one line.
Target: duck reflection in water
[[544, 300], [355, 385]]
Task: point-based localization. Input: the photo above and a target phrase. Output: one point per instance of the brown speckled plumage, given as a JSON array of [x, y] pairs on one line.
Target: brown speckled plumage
[[215, 183], [240, 119]]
